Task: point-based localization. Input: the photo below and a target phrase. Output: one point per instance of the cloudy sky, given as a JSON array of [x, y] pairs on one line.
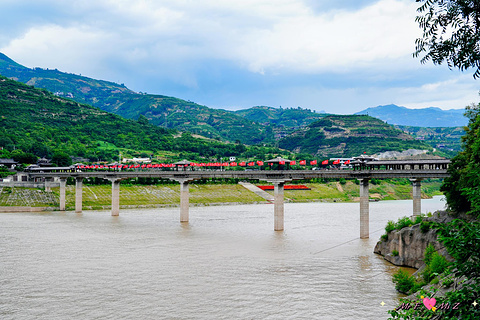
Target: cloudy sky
[[340, 56]]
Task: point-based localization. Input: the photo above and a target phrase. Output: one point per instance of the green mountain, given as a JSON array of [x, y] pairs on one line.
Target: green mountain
[[295, 129], [285, 117], [447, 140], [38, 122], [349, 135], [165, 111], [280, 121]]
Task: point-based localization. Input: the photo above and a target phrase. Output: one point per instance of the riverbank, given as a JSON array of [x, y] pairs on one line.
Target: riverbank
[[97, 197]]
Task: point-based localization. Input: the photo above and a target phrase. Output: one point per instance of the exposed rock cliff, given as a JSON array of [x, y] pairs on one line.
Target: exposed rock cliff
[[411, 243]]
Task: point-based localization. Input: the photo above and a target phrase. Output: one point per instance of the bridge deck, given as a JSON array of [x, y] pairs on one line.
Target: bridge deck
[[413, 171], [266, 175]]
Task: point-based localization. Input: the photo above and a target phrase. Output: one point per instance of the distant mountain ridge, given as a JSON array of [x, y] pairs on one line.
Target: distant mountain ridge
[[425, 117], [160, 110], [261, 125], [35, 121]]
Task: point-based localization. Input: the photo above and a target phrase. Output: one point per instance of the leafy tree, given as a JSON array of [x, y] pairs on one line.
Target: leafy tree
[[450, 33], [6, 142], [462, 188], [142, 119], [61, 159], [23, 157], [5, 153]]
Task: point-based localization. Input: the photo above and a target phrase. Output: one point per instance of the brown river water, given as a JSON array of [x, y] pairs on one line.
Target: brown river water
[[226, 263]]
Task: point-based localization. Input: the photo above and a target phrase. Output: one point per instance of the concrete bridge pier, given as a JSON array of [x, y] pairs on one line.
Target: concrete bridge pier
[[184, 201], [48, 182], [184, 198], [63, 186], [78, 194], [278, 205], [115, 196], [364, 209], [417, 196]]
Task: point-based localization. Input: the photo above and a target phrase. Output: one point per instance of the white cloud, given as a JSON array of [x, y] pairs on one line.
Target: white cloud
[[69, 49], [454, 93], [335, 41], [367, 48], [263, 35]]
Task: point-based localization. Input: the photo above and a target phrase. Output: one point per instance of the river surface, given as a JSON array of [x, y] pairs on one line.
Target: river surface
[[227, 263]]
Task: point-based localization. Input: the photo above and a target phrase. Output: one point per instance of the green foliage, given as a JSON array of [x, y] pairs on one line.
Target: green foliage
[[403, 223], [438, 264], [4, 172], [390, 226], [450, 33], [404, 282], [395, 253], [429, 251], [23, 157], [37, 123], [418, 219], [425, 226], [158, 110], [461, 240], [447, 282], [142, 119], [462, 187], [435, 264], [61, 159]]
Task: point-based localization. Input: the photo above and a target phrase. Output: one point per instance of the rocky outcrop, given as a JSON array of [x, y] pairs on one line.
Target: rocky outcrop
[[400, 154], [410, 243]]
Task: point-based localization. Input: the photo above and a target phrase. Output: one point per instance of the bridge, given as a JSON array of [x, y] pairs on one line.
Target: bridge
[[364, 171]]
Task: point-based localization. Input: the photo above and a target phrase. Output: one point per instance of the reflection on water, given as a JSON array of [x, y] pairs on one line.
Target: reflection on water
[[227, 263]]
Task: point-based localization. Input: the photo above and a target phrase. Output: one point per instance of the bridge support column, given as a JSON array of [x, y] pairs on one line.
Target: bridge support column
[[278, 204], [115, 197], [184, 200], [63, 186], [364, 209], [48, 182], [417, 196], [78, 194], [184, 197]]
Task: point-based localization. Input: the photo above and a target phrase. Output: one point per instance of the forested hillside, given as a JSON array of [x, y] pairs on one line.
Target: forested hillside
[[37, 122], [294, 129], [164, 111], [286, 117], [447, 140], [349, 135]]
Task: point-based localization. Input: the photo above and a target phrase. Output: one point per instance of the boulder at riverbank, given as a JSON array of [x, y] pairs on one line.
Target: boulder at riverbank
[[410, 243]]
